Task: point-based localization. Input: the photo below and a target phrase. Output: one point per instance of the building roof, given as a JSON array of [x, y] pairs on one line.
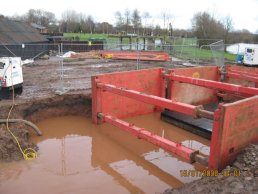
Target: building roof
[[14, 32]]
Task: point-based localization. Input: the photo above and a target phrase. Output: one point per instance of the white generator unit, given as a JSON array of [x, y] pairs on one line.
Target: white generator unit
[[251, 56], [10, 76]]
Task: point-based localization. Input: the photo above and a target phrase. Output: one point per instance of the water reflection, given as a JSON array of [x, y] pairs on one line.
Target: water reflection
[[76, 156]]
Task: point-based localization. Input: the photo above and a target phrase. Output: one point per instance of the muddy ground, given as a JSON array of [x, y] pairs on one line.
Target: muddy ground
[[247, 182], [51, 88], [41, 99]]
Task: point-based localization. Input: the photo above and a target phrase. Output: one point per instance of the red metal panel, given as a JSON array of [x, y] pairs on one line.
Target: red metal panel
[[151, 99], [190, 94], [216, 85], [146, 55], [242, 70], [148, 81], [168, 145], [243, 76], [238, 127], [215, 140]]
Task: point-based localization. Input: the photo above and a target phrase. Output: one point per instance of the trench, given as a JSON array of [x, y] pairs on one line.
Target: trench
[[76, 156]]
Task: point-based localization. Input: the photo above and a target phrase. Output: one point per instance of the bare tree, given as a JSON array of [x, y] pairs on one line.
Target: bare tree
[[228, 27], [119, 20], [206, 27], [136, 20], [167, 21], [146, 17], [70, 21], [40, 17], [127, 20], [90, 24]]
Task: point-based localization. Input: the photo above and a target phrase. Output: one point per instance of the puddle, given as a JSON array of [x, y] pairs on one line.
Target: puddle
[[76, 156]]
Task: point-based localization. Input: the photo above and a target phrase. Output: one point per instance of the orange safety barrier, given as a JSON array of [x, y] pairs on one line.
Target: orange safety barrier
[[142, 55]]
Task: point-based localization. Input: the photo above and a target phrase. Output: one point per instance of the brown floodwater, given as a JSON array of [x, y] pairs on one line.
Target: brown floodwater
[[76, 156]]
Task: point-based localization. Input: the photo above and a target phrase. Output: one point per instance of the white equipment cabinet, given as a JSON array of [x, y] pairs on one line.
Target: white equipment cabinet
[[10, 76], [251, 56]]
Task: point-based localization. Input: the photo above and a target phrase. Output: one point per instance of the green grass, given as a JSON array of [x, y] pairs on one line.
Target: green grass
[[84, 37], [188, 51], [195, 53]]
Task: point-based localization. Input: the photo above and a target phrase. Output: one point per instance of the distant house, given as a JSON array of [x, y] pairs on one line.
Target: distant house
[[20, 39], [41, 29]]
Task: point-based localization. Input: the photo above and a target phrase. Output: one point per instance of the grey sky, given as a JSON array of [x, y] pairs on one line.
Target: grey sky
[[243, 13]]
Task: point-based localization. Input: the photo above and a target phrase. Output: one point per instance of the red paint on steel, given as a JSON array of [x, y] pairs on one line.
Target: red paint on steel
[[151, 99], [242, 70], [215, 140], [128, 55], [146, 81], [235, 124], [199, 95], [243, 76], [237, 127], [168, 145], [216, 85]]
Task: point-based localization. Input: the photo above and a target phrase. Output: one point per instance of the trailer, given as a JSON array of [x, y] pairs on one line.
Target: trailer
[[233, 121]]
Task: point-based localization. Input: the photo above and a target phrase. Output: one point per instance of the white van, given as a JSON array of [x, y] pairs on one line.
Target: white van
[[10, 75]]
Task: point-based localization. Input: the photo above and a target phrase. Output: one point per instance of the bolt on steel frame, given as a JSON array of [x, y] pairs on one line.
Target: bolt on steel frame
[[124, 94]]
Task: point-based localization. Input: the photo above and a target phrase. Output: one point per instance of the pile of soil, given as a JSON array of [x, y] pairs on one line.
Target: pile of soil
[[9, 149], [246, 183]]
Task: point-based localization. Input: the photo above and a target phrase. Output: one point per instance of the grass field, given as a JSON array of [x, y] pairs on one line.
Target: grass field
[[196, 53], [188, 51], [84, 37]]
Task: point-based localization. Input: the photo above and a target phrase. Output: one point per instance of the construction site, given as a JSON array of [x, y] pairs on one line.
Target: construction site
[[126, 118]]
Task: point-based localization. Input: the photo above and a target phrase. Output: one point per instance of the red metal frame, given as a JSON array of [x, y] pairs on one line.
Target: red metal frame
[[235, 124], [199, 95], [232, 88], [128, 55], [141, 133], [242, 76], [151, 99]]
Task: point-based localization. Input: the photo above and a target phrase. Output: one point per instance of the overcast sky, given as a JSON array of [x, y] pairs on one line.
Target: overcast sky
[[244, 13]]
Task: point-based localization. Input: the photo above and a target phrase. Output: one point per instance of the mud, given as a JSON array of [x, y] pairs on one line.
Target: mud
[[245, 182], [122, 168], [8, 147], [73, 104], [42, 85], [100, 159]]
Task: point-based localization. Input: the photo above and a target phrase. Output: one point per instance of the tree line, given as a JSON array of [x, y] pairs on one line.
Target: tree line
[[204, 25]]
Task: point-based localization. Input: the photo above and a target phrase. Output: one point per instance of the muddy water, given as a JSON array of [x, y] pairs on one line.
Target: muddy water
[[76, 156]]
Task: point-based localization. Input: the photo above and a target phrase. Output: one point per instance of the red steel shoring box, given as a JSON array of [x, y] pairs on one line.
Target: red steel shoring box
[[235, 124]]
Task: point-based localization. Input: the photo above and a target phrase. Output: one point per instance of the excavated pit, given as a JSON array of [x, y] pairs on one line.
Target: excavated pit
[[78, 157], [72, 149]]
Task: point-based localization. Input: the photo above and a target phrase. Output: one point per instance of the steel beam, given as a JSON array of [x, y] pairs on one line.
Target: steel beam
[[195, 111], [242, 72], [215, 85], [242, 76], [175, 148]]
